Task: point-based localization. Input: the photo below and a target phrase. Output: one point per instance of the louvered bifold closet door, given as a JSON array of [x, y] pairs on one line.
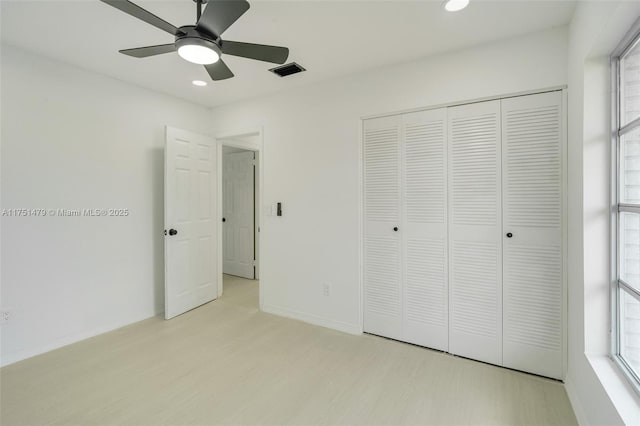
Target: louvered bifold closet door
[[475, 229], [382, 246], [424, 228], [532, 136]]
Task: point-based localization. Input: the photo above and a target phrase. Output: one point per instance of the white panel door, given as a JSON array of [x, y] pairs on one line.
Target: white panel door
[[424, 228], [475, 232], [190, 226], [382, 249], [238, 212], [532, 137]]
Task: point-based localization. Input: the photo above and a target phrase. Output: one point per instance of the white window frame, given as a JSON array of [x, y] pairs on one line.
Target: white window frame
[[617, 284]]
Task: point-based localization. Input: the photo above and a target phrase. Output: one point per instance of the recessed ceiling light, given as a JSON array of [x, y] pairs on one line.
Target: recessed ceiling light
[[455, 5], [199, 83]]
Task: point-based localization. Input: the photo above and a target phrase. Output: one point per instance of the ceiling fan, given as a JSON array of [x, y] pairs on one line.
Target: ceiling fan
[[201, 43]]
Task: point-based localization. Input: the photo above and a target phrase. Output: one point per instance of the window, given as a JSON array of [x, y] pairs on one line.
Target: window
[[626, 287]]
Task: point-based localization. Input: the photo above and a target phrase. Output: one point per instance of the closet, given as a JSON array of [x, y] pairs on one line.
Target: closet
[[463, 230]]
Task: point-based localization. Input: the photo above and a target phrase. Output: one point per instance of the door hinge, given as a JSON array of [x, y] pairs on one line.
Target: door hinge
[[253, 263]]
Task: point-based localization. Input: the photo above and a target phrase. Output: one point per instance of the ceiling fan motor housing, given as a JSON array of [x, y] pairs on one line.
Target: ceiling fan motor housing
[[188, 35]]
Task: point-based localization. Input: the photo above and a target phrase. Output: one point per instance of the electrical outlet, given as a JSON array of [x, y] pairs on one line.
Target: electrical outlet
[[326, 289], [5, 316]]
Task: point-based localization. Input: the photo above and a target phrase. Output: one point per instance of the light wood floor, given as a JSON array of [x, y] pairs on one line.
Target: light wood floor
[[228, 363]]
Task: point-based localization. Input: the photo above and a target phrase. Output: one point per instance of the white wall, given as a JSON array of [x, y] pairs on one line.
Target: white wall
[[73, 139], [311, 161], [597, 391]]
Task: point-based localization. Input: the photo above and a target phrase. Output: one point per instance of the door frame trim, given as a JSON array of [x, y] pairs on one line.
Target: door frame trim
[[233, 139], [562, 87]]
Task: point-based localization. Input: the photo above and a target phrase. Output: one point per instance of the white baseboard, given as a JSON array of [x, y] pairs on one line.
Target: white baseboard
[[313, 319], [18, 356], [575, 403]]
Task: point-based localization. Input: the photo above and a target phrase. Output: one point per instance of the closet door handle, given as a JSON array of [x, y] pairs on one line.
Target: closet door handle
[[509, 235], [395, 228]]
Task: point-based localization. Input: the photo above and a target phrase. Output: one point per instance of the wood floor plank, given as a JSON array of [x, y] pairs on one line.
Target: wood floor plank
[[228, 363]]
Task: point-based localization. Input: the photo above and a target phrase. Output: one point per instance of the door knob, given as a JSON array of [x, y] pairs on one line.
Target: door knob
[[395, 228], [172, 231], [509, 235]]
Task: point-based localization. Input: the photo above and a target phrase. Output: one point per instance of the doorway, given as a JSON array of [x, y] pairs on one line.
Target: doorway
[[238, 212], [239, 181]]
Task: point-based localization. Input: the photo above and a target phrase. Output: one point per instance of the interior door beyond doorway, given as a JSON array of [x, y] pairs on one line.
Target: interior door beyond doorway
[[238, 214]]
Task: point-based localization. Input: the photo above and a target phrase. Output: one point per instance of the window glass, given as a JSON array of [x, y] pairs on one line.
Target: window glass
[[630, 330], [630, 167], [626, 303], [630, 248], [630, 85]]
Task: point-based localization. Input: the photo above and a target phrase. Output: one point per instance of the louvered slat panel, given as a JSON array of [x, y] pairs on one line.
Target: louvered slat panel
[[532, 306], [475, 166], [475, 307], [424, 231], [533, 258], [533, 183], [382, 169], [425, 172], [475, 267], [426, 300], [382, 246], [382, 276]]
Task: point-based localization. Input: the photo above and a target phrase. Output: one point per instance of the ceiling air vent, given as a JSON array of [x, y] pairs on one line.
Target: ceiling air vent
[[287, 69]]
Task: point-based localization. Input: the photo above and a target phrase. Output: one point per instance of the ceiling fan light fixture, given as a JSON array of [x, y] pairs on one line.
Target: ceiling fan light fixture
[[455, 5], [198, 54], [201, 43], [197, 50]]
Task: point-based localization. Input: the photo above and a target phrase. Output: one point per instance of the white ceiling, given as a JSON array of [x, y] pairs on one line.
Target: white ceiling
[[329, 38]]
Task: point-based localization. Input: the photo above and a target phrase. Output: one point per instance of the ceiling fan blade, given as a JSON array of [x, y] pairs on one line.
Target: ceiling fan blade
[[142, 14], [219, 70], [218, 15], [261, 52], [144, 52]]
